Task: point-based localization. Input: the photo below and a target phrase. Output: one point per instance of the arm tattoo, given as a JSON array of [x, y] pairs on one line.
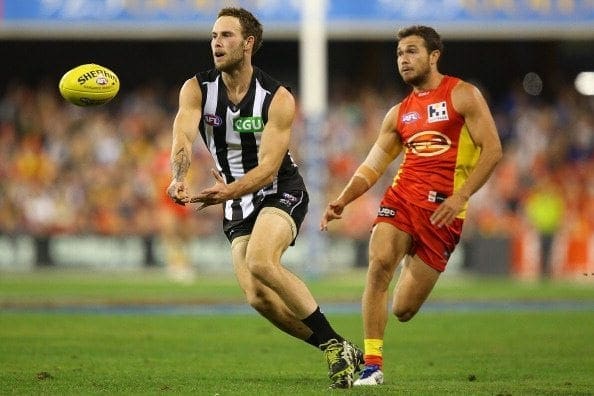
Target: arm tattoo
[[180, 165]]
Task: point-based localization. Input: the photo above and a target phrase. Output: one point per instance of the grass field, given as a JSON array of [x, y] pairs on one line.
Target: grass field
[[60, 334]]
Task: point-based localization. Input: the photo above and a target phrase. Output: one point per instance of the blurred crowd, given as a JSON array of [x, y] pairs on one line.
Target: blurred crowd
[[542, 193], [104, 170]]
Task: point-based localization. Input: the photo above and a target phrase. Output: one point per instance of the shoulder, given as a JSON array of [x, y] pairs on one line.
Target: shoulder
[[207, 75], [283, 99], [282, 109], [390, 122], [462, 87], [394, 111], [466, 96], [268, 82], [190, 92]]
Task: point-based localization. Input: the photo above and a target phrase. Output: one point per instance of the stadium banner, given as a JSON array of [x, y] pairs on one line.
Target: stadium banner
[[134, 252], [345, 18]]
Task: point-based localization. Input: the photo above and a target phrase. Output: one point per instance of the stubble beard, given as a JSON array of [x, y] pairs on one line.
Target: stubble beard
[[419, 79], [234, 63]]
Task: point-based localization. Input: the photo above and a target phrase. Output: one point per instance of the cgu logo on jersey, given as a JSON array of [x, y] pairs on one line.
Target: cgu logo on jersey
[[213, 120], [428, 143], [248, 124]]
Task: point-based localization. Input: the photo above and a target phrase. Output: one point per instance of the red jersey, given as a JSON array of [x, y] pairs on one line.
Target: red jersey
[[439, 153]]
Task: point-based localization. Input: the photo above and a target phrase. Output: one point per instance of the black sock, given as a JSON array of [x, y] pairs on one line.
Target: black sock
[[322, 331], [313, 340]]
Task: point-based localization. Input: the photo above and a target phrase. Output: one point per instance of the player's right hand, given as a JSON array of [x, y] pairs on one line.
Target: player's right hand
[[333, 212], [177, 192]]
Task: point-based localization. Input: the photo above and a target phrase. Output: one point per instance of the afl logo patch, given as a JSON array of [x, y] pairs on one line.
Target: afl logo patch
[[428, 143], [410, 117], [213, 120]]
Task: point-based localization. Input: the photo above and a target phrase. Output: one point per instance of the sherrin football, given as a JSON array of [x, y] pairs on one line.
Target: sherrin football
[[89, 85]]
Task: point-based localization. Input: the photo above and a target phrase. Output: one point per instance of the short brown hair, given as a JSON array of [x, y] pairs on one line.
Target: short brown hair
[[250, 25], [428, 34]]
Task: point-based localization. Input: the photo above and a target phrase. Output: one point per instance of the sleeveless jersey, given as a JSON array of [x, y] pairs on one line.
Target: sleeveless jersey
[[439, 152], [232, 133]]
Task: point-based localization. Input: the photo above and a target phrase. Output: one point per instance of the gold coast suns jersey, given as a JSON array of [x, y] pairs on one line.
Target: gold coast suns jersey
[[439, 153]]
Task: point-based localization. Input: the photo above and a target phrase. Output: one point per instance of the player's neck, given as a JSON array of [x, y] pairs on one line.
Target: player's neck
[[433, 80], [238, 82]]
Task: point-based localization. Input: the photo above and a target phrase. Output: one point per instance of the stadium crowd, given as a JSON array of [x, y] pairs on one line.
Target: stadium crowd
[[104, 170]]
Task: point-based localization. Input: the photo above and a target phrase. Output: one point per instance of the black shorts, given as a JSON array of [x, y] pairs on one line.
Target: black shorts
[[293, 203]]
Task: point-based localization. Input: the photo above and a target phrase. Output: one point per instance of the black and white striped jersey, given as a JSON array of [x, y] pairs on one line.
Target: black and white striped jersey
[[232, 134]]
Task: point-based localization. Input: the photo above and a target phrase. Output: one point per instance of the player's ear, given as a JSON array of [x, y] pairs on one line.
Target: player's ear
[[248, 42], [434, 57]]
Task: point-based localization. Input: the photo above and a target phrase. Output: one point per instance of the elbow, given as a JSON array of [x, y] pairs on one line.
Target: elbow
[[494, 153], [269, 179], [265, 178], [269, 174], [498, 155]]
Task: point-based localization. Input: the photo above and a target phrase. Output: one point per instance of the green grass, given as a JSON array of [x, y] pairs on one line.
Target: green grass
[[534, 352], [437, 353], [48, 287]]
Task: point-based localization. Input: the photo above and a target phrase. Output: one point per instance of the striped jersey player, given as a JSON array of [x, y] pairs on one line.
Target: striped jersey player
[[245, 119], [233, 132]]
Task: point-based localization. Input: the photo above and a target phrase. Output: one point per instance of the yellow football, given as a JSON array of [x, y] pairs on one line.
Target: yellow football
[[89, 85]]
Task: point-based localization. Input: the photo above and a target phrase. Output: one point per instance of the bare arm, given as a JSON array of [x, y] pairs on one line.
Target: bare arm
[[273, 147], [469, 102], [385, 149], [185, 130]]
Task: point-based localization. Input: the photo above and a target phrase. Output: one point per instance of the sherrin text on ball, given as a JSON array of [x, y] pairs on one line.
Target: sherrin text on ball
[[89, 85]]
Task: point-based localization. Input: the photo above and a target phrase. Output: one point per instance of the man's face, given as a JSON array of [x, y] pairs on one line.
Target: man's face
[[413, 60], [227, 43]]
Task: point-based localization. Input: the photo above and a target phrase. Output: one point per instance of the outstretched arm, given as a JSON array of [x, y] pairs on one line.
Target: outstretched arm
[[469, 102], [385, 149], [185, 130]]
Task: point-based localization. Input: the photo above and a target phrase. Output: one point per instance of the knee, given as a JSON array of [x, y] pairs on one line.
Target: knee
[[259, 269], [404, 314], [259, 301], [380, 271]]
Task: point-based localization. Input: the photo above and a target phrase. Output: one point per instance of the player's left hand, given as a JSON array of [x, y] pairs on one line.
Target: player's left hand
[[218, 193], [448, 210], [333, 212]]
